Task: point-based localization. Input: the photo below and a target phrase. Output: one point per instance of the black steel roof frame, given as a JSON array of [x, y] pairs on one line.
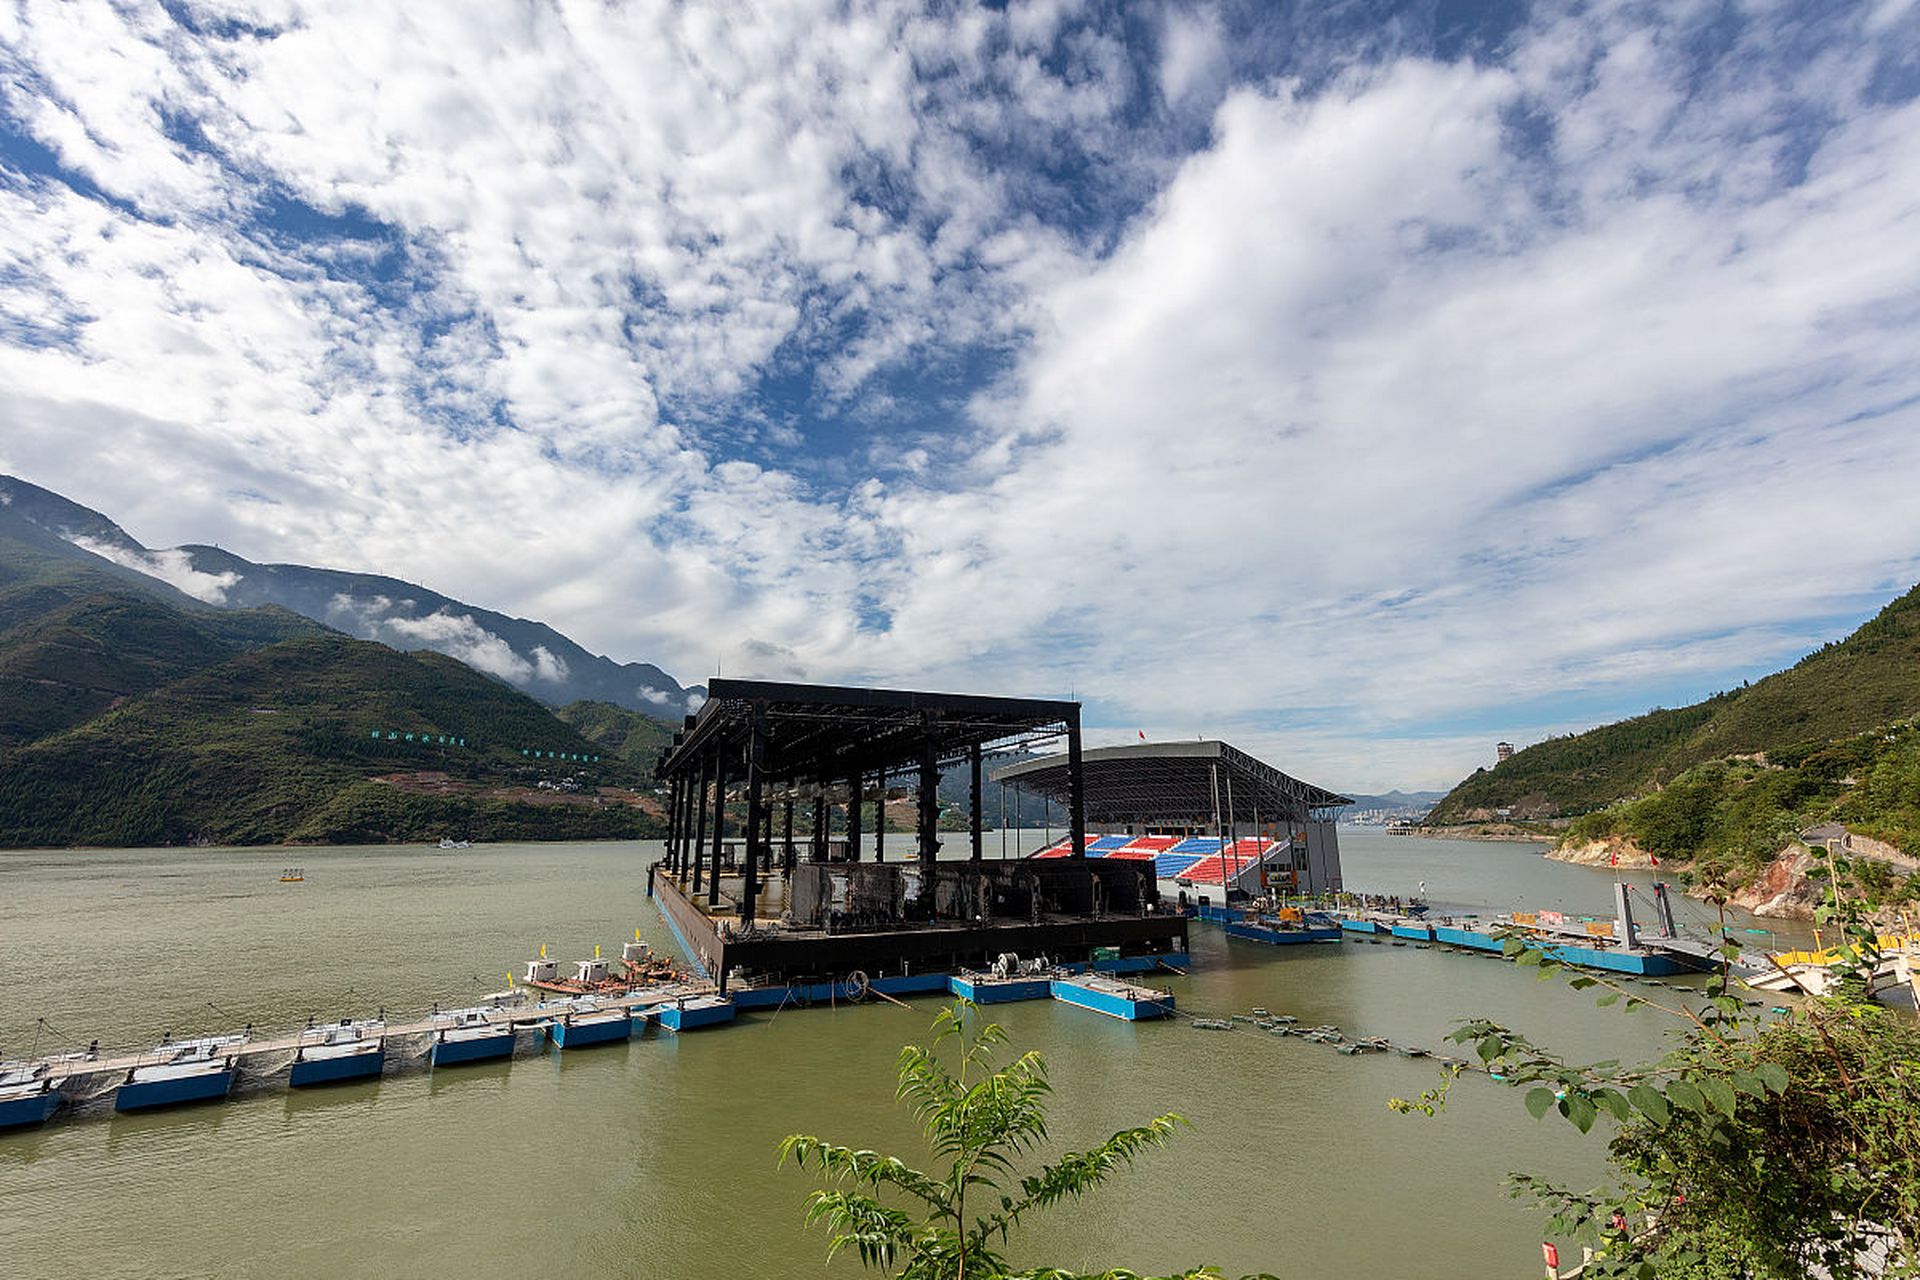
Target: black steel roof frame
[[1170, 782], [825, 733]]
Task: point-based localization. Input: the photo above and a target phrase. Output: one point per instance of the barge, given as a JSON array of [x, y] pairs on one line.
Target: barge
[[469, 1035], [1112, 997], [337, 1052], [27, 1094], [187, 1071]]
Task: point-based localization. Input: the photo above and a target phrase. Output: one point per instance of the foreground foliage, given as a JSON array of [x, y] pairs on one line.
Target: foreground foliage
[[1769, 1147], [981, 1122]]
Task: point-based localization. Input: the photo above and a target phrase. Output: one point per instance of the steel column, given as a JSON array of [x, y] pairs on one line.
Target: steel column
[[700, 835], [756, 780], [855, 800], [818, 853], [973, 761], [929, 803], [1076, 785], [719, 826], [880, 816]]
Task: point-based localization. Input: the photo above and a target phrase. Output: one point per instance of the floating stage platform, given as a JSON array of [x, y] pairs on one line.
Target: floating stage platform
[[767, 911], [841, 957]]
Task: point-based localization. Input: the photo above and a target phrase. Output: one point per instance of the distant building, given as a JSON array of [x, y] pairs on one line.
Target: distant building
[[1504, 750]]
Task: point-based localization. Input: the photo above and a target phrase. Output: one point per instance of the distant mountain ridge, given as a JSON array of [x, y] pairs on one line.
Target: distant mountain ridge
[[1869, 680], [528, 655]]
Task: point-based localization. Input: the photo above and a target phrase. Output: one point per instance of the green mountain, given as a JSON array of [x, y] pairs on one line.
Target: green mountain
[[616, 732], [278, 744], [133, 714], [70, 539], [1732, 772]]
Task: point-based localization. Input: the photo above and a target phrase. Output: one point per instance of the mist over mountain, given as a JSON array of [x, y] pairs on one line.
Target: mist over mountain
[[528, 655]]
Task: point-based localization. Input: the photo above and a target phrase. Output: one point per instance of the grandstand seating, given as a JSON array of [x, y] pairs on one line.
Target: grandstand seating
[[1197, 859]]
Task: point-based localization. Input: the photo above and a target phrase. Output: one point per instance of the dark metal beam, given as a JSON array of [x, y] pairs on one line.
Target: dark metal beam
[[973, 762], [1076, 785], [929, 803], [719, 827], [756, 781], [700, 836], [856, 800]]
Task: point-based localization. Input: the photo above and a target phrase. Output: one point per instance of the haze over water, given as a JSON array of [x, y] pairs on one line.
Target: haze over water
[[656, 1158]]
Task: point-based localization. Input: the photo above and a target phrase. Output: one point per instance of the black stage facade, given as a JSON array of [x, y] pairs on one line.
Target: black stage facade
[[767, 907]]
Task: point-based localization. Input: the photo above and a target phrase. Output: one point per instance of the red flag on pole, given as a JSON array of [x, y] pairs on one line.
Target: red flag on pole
[[1143, 734]]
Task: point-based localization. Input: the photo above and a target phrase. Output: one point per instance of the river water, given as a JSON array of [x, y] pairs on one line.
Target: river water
[[656, 1158]]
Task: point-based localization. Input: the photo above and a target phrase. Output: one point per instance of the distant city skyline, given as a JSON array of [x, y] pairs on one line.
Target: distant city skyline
[[1363, 385]]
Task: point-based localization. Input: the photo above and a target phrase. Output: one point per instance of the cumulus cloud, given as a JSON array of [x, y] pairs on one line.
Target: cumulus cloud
[[463, 638], [173, 567], [658, 697], [1350, 393], [547, 666]]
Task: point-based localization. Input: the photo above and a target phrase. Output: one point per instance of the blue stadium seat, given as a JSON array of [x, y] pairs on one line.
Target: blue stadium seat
[[1169, 865], [1198, 846]]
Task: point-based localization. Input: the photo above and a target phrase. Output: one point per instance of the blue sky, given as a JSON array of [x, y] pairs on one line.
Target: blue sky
[[1364, 382]]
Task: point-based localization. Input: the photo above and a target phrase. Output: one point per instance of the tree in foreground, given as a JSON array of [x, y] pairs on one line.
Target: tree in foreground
[[1775, 1147], [982, 1123]]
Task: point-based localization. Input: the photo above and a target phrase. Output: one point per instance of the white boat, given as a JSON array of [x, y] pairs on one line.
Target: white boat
[[449, 843]]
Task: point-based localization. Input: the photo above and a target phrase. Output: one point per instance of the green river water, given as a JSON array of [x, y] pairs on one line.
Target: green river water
[[656, 1158]]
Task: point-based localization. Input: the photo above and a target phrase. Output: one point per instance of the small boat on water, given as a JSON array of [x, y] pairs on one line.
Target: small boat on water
[[448, 842], [637, 966], [27, 1094], [184, 1071], [292, 875], [339, 1051]]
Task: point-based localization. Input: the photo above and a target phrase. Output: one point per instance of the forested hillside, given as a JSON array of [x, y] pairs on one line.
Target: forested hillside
[[1851, 687]]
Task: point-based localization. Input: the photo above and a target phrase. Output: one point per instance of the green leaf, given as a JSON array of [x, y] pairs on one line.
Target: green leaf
[[1652, 1103], [1719, 1093], [1607, 999], [1683, 1094], [1749, 1083], [1578, 1108], [1774, 1076], [1538, 1102], [1613, 1103]]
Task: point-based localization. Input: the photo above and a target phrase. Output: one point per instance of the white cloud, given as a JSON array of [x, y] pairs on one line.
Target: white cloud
[[1193, 59], [1424, 390], [463, 638], [658, 697], [175, 568], [547, 666]]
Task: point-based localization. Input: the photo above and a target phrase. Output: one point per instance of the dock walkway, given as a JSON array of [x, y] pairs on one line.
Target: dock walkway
[[641, 1003]]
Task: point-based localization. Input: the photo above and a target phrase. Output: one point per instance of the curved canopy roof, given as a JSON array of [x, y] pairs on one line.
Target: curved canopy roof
[[1173, 782]]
